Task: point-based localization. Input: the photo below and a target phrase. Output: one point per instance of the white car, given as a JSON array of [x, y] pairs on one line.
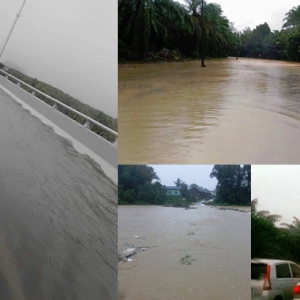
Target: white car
[[273, 279]]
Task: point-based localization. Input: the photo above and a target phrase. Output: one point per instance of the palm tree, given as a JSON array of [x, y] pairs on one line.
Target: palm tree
[[263, 214], [196, 11], [211, 29], [219, 33], [294, 227], [292, 17], [146, 23]]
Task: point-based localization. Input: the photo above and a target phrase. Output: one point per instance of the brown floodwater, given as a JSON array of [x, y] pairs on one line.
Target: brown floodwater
[[232, 111], [217, 242]]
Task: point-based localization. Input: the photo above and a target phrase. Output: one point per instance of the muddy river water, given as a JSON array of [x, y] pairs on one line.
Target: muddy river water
[[232, 111], [215, 242]]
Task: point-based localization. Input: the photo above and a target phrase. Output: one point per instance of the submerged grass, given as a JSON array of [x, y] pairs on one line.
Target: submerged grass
[[187, 259]]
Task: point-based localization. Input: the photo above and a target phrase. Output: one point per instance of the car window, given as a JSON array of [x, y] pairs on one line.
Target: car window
[[295, 271], [283, 271], [258, 271]]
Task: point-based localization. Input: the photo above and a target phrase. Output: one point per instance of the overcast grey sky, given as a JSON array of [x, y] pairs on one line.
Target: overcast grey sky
[[198, 174], [71, 44], [277, 188], [252, 13]]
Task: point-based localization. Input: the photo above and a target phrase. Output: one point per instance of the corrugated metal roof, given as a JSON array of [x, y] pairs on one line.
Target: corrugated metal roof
[[172, 187]]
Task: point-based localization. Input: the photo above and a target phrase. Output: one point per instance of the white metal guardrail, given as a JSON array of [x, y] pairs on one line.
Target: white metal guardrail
[[88, 120]]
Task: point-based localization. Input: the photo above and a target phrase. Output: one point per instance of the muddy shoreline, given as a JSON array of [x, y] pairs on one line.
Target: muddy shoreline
[[244, 209]]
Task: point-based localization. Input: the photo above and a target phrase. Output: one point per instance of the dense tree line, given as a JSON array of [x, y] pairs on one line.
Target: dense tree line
[[95, 114], [234, 184], [263, 43], [270, 241], [135, 186], [166, 29], [139, 184]]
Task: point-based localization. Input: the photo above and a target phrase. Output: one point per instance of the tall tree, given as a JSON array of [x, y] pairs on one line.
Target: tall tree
[[234, 186], [131, 176], [178, 182], [136, 185], [295, 226], [263, 233], [147, 23], [268, 240], [196, 11], [221, 37], [292, 18]]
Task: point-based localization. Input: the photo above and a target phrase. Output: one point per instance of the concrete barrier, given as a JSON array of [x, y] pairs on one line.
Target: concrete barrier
[[91, 140]]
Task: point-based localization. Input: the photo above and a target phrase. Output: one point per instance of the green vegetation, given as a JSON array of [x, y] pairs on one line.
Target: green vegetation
[[165, 30], [269, 241], [178, 201], [147, 29], [139, 184], [136, 187], [187, 259], [95, 114], [283, 44], [234, 184]]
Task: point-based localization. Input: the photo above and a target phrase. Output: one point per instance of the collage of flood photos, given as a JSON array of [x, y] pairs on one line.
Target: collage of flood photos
[[149, 150]]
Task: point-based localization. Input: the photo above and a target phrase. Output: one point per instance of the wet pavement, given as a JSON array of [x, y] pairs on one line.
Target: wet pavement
[[58, 216]]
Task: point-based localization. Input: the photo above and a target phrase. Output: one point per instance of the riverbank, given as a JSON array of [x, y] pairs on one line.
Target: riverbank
[[240, 208], [245, 209]]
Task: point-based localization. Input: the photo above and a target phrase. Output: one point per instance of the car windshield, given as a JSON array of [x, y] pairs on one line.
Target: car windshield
[[258, 270]]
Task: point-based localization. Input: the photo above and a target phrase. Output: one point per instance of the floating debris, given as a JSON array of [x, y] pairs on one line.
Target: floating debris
[[126, 253]]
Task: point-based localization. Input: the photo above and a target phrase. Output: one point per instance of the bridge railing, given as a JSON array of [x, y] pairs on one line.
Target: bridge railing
[[88, 120]]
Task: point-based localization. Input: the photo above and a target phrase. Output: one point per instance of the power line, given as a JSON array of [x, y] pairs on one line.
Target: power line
[[12, 28]]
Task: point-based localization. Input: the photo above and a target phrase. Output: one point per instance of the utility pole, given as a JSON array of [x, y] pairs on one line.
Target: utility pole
[[12, 28]]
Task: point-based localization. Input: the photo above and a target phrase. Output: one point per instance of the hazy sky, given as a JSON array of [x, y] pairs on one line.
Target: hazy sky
[[71, 44], [252, 13], [277, 188], [198, 174]]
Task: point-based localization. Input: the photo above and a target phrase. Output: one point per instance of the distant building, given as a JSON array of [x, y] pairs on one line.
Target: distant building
[[173, 190], [197, 191]]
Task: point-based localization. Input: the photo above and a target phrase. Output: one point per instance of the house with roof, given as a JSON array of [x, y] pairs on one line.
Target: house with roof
[[201, 192], [173, 190]]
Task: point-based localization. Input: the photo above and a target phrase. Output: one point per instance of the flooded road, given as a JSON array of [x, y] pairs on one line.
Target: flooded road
[[215, 242], [58, 216], [229, 112]]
